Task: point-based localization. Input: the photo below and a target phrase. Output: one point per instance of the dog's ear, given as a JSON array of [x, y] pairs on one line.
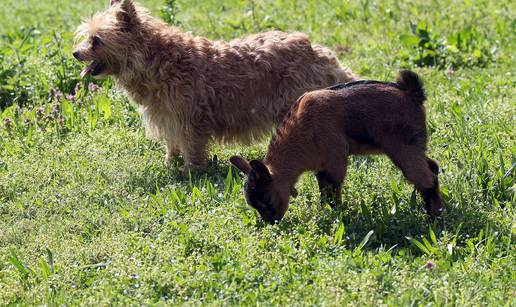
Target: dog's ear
[[262, 170], [127, 13], [241, 163], [113, 2]]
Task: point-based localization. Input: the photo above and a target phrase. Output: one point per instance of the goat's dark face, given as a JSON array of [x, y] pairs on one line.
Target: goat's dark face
[[262, 191]]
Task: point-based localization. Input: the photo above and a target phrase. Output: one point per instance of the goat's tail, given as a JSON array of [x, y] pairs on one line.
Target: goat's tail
[[409, 81]]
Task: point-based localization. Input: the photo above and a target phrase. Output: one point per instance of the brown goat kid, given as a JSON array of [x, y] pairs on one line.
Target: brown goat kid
[[325, 126]]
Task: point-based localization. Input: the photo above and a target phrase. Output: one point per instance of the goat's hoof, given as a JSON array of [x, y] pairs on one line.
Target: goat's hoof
[[434, 212]]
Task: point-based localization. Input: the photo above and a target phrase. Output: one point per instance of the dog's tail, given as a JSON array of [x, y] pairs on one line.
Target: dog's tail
[[409, 81], [336, 72]]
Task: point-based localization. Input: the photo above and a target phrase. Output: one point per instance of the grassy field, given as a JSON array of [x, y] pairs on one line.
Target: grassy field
[[90, 214]]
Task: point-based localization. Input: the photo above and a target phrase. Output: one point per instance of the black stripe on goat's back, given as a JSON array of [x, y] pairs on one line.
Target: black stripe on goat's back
[[335, 87], [340, 86]]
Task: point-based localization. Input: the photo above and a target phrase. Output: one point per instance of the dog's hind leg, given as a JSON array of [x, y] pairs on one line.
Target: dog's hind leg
[[173, 150], [195, 151]]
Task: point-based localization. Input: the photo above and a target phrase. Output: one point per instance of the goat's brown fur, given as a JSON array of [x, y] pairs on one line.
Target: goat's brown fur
[[324, 127], [192, 90]]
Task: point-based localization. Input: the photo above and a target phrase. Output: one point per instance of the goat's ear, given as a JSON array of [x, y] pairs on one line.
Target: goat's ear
[[127, 13], [241, 163], [293, 192], [113, 2], [261, 170]]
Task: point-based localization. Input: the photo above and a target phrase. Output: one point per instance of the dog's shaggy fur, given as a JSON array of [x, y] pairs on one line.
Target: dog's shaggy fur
[[192, 90]]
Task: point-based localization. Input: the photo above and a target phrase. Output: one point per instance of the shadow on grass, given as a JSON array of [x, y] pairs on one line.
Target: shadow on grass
[[156, 177], [392, 229]]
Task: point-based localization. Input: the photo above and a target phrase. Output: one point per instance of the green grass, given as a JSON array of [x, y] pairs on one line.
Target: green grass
[[90, 214]]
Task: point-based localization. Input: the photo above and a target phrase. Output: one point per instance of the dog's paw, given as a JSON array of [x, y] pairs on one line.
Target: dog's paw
[[174, 162], [170, 156]]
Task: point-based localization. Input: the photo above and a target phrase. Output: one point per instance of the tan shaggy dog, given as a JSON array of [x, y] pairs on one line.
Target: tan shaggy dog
[[192, 90]]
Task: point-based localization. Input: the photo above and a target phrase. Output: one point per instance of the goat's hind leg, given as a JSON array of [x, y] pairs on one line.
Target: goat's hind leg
[[422, 172], [433, 165], [432, 196]]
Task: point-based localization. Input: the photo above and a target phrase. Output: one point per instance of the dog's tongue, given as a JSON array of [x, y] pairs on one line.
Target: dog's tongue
[[86, 71]]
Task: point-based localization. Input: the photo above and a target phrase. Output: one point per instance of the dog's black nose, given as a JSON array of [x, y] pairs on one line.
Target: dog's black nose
[[76, 55]]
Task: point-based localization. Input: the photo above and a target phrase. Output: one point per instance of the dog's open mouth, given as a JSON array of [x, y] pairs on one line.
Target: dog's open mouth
[[93, 69]]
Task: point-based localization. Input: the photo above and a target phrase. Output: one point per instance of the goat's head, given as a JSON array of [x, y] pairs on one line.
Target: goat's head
[[265, 193]]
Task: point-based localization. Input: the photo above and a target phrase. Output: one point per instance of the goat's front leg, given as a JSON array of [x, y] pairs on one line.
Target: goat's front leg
[[331, 178], [330, 188], [325, 187], [333, 164]]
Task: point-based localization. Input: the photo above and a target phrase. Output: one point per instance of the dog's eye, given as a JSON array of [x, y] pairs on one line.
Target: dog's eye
[[95, 41]]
